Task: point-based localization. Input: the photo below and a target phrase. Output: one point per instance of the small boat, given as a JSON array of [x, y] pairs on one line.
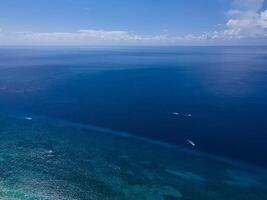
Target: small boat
[[28, 118], [191, 142]]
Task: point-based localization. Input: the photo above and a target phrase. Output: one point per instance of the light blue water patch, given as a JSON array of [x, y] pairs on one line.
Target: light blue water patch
[[187, 176], [243, 179]]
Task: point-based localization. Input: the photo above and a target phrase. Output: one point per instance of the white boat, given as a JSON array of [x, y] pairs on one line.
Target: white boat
[[28, 118], [191, 142]]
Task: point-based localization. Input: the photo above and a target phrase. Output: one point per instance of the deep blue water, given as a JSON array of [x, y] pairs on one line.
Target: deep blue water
[[136, 90]]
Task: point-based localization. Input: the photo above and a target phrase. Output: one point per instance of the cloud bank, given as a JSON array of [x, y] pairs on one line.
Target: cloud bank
[[84, 37], [245, 20]]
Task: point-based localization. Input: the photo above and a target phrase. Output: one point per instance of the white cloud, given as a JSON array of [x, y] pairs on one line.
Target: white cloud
[[87, 36], [263, 19], [246, 20]]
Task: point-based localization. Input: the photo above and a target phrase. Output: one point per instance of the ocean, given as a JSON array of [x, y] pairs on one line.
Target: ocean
[[133, 123]]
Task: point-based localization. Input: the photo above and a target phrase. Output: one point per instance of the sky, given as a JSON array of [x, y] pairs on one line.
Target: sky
[[133, 22]]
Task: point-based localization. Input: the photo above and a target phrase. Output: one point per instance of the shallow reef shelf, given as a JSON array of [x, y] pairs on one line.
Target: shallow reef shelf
[[43, 160]]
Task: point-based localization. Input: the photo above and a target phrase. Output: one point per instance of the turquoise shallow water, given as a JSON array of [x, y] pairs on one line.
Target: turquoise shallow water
[[42, 159]]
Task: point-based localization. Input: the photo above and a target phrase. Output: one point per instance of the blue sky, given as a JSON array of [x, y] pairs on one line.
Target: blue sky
[[170, 22]]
